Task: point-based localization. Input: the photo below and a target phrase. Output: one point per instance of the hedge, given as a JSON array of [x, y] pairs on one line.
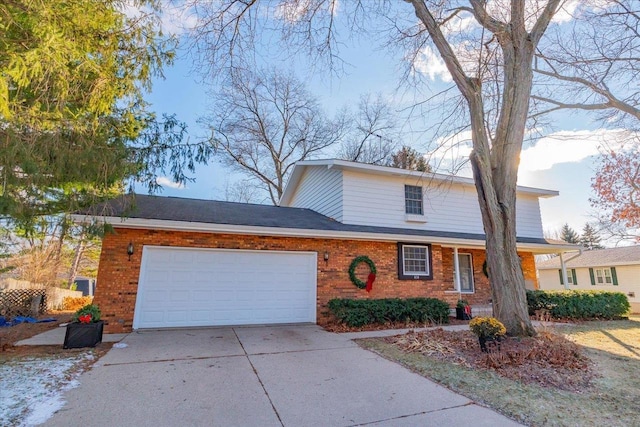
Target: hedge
[[579, 304], [362, 312]]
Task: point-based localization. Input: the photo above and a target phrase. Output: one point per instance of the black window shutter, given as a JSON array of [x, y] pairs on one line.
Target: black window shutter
[[560, 274], [593, 278], [573, 274]]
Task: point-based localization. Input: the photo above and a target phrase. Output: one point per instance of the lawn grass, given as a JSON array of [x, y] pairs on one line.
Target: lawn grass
[[612, 400]]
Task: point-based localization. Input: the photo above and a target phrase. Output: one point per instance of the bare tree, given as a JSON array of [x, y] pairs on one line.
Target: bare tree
[[243, 191], [594, 66], [488, 50], [264, 122], [373, 132]]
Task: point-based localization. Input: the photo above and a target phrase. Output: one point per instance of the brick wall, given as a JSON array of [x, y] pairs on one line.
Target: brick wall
[[118, 276]]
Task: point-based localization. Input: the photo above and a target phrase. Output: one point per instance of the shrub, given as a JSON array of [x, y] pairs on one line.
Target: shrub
[[579, 304], [462, 303], [362, 312], [88, 310], [75, 303], [487, 327]]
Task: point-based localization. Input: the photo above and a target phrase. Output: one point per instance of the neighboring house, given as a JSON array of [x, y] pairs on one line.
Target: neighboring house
[[616, 269], [174, 262]]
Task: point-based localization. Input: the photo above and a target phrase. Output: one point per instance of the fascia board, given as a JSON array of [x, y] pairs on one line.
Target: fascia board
[[155, 224]]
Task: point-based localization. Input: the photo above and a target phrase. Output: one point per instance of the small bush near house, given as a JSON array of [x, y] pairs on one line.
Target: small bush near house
[[579, 304], [75, 303], [357, 313]]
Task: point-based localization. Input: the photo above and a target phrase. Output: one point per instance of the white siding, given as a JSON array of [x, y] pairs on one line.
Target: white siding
[[628, 281], [528, 218], [379, 201], [320, 189]]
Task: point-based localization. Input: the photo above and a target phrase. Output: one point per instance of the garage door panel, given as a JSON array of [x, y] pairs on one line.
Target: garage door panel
[[202, 287]]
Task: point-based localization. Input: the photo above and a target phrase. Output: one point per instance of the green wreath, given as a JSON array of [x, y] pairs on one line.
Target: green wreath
[[352, 270], [485, 269]]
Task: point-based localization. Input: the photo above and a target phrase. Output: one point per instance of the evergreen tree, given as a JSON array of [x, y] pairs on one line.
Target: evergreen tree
[[590, 239], [408, 158], [73, 120], [569, 235]]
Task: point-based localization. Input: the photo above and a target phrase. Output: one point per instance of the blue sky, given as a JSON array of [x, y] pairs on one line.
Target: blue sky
[[565, 164]]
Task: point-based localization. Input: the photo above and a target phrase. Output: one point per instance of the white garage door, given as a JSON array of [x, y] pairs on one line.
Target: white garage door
[[181, 287]]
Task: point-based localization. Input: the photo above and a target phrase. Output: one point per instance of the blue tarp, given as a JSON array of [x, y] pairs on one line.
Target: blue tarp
[[22, 319]]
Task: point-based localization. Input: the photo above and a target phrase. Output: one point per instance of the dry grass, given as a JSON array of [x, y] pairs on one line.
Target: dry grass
[[578, 375]]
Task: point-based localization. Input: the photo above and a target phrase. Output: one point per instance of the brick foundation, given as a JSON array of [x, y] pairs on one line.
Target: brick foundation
[[118, 276]]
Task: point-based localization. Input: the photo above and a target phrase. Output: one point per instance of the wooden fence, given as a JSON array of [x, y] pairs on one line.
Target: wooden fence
[[54, 296], [22, 302]]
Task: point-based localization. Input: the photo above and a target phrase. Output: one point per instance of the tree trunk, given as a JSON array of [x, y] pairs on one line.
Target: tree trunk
[[78, 252], [495, 173]]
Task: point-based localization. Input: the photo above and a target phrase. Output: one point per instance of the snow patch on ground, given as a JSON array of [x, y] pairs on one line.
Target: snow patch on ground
[[32, 389]]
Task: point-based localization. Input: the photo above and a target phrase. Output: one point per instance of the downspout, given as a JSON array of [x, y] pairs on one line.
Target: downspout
[[563, 267]]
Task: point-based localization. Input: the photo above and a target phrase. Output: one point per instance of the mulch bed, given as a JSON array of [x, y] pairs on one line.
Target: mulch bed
[[10, 335], [341, 327], [549, 360]]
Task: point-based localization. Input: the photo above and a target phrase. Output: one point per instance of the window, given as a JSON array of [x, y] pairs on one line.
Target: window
[[572, 279], [466, 273], [413, 200], [414, 261], [603, 276]]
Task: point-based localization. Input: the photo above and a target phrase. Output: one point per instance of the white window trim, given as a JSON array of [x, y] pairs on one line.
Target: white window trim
[[414, 275], [602, 278], [421, 200], [458, 283], [415, 218]]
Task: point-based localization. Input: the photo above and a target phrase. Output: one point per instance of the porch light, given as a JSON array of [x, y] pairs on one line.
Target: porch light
[[326, 256], [130, 250]]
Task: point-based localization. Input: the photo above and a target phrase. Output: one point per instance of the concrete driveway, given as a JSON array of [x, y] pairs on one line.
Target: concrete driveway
[[258, 376]]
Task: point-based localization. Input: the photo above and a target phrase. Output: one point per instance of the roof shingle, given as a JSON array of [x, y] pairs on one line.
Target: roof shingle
[[627, 255], [252, 215]]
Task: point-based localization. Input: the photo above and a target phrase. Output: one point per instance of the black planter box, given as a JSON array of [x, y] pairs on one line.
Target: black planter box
[[83, 334], [461, 315]]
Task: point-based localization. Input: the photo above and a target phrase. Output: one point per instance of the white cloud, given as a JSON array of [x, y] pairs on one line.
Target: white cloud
[[175, 19], [566, 12], [428, 62], [166, 182], [568, 147], [294, 12]]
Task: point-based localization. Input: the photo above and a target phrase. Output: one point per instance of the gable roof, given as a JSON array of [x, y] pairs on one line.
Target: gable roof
[[299, 168], [627, 255], [175, 213]]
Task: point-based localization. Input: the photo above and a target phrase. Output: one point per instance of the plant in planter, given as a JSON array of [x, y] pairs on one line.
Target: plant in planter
[[85, 329], [488, 329], [463, 310]]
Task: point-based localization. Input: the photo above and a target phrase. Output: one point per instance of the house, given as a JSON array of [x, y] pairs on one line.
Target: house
[[615, 269], [174, 262]]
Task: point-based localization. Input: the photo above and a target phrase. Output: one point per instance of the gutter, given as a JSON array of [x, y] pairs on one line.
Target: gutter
[[154, 224]]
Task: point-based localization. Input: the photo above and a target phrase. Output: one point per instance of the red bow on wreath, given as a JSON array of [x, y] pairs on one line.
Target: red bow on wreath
[[370, 280]]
